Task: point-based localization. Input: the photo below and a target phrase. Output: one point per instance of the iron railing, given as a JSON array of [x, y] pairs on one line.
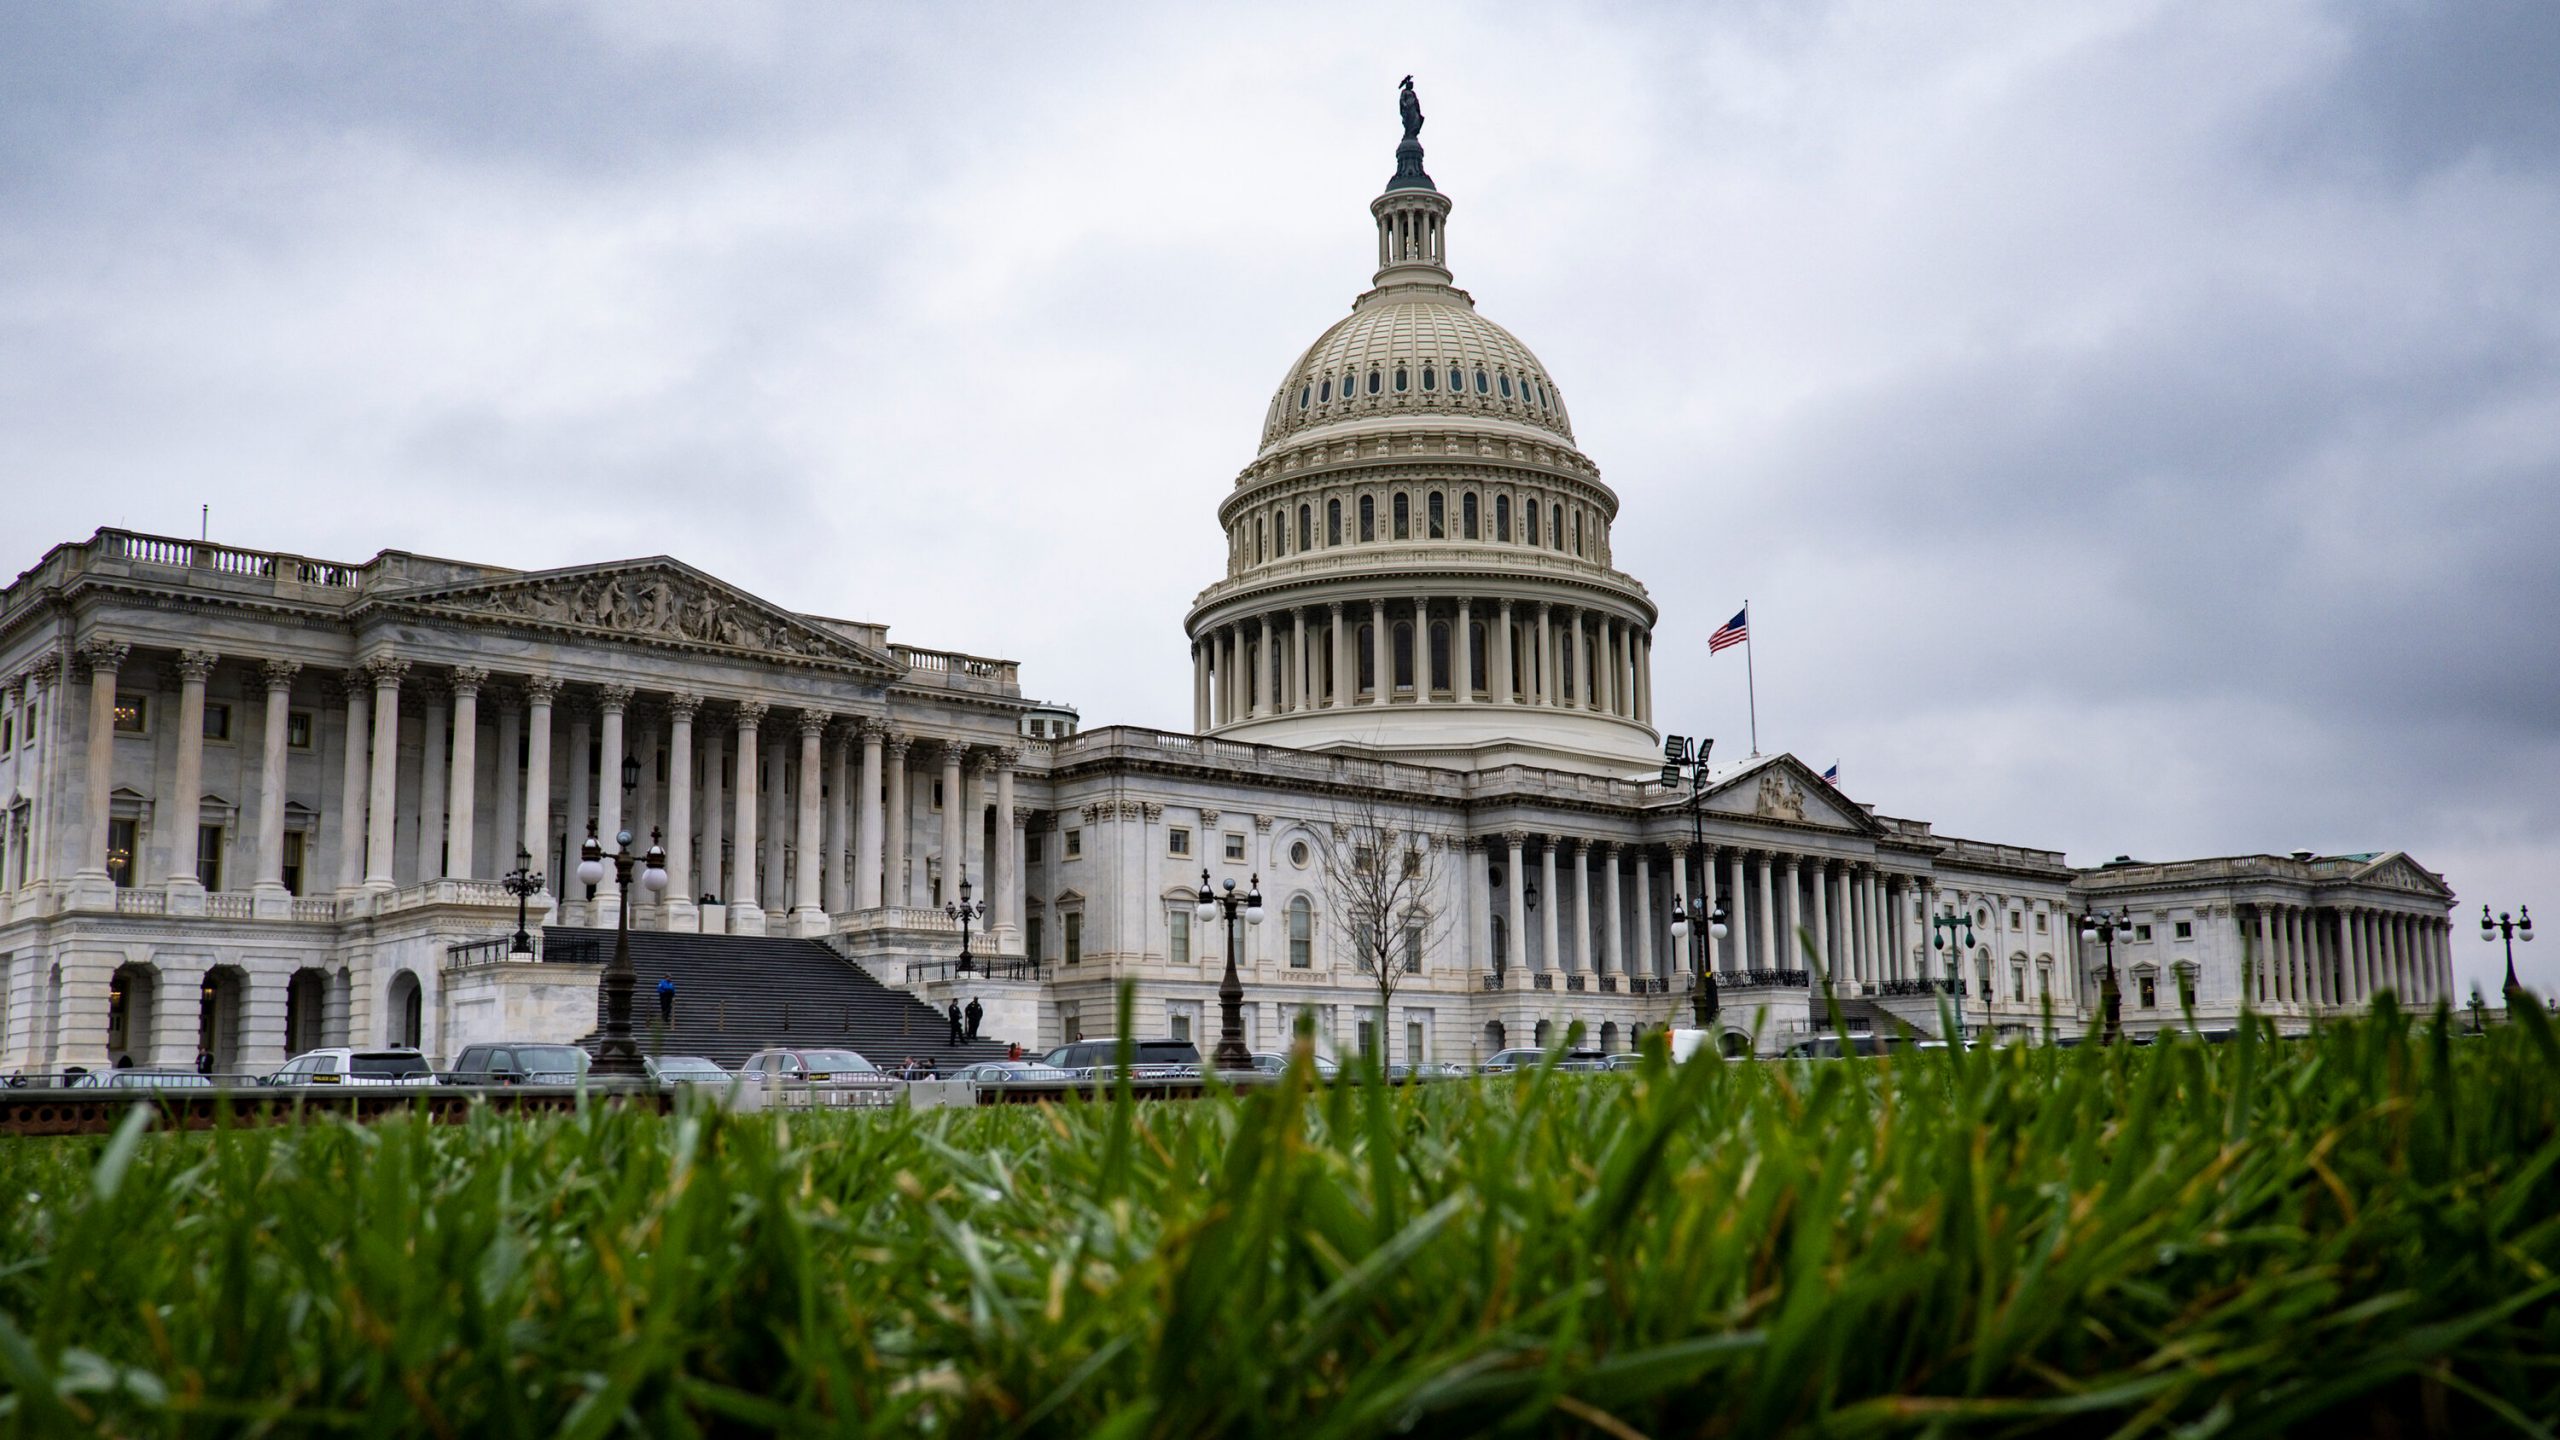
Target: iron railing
[[494, 951], [1775, 979], [920, 971], [1922, 987]]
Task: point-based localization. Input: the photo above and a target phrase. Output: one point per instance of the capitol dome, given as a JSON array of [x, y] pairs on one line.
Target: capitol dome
[[1418, 557]]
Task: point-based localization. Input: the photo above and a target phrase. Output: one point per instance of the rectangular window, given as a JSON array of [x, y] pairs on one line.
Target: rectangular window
[[1333, 522], [1467, 516], [1413, 1042], [133, 713], [2018, 983], [27, 735], [297, 730], [1404, 517], [217, 720], [1368, 1038], [1302, 940], [2044, 983], [9, 731], [2013, 921], [1413, 949], [2186, 930], [2146, 991], [2040, 919], [1031, 938], [1075, 937], [293, 845], [1070, 1023], [937, 794], [120, 856], [1368, 518], [2186, 988], [1177, 841], [1178, 936], [1033, 845], [1235, 845], [1075, 844], [2141, 932], [209, 856], [1180, 1024], [1439, 517]]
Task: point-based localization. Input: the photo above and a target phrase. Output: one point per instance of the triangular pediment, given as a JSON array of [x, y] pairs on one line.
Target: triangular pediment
[[2396, 871], [1781, 787], [657, 601]]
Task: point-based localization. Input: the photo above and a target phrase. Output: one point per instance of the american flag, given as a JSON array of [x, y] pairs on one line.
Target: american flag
[[1735, 631], [1831, 777]]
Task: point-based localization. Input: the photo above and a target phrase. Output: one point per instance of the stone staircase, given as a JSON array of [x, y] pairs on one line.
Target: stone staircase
[[737, 994]]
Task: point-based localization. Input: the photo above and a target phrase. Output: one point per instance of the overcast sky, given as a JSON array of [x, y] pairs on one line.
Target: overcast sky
[[2136, 426]]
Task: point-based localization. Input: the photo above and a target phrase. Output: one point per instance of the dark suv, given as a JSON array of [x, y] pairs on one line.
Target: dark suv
[[518, 1063], [1148, 1059]]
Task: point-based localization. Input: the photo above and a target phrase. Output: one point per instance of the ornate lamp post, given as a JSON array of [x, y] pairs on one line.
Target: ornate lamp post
[[965, 912], [1954, 935], [1231, 1054], [523, 882], [617, 1056], [1683, 761], [2520, 927], [2102, 926]]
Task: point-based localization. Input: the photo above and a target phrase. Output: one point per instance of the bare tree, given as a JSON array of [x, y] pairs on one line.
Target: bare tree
[[1384, 906]]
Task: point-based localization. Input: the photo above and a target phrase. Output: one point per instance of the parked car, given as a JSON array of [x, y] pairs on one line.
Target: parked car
[[1272, 1064], [816, 1077], [340, 1065], [1009, 1072], [136, 1077], [513, 1062], [1627, 1060], [669, 1071], [1148, 1059], [1425, 1070], [1529, 1057]]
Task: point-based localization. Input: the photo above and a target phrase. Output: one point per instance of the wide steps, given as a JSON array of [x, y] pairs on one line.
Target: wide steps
[[737, 994]]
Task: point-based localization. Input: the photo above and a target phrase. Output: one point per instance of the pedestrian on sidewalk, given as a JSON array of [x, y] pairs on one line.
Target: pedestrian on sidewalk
[[954, 1017], [666, 1000], [975, 1012]]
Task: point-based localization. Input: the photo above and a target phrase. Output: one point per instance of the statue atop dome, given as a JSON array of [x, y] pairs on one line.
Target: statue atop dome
[[1409, 172]]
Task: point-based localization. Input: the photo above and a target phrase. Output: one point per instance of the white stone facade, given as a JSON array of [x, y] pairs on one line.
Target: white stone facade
[[253, 802]]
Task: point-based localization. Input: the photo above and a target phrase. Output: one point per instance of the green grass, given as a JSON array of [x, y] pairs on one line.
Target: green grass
[[2356, 1233]]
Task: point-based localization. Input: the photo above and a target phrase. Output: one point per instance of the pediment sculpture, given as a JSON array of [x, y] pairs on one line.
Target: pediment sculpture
[[1780, 798], [657, 604]]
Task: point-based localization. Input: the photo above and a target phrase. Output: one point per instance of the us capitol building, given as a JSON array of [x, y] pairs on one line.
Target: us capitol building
[[252, 803]]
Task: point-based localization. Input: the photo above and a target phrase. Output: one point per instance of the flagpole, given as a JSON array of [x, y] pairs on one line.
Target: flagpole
[[1751, 678]]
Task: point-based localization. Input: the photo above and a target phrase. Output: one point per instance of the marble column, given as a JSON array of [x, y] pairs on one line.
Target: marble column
[[104, 658], [1498, 683], [1613, 915], [539, 693], [1543, 691], [269, 897], [1828, 960], [506, 831], [1581, 949], [44, 692], [186, 892], [1379, 660], [1737, 954], [613, 705], [715, 813], [808, 907], [1708, 897], [1480, 901], [1008, 862], [1199, 686], [1549, 930], [386, 672], [1515, 917], [773, 868], [428, 823], [679, 902], [1298, 667], [746, 913], [867, 819], [1265, 702], [1644, 911], [896, 888], [581, 815], [1768, 914], [1577, 671], [1462, 654], [462, 796], [954, 857], [839, 801]]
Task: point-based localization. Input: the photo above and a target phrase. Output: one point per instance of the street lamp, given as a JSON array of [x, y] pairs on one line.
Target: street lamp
[[965, 912], [2101, 926], [1231, 1054], [1683, 761], [1953, 933], [523, 883], [616, 1055], [2520, 927]]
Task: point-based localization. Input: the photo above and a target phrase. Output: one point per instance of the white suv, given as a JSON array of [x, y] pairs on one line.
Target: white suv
[[339, 1065]]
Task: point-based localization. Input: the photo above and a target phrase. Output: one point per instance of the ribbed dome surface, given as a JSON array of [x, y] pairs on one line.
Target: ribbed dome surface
[[1399, 354]]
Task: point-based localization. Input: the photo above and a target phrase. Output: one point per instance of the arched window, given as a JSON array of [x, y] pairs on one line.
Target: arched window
[[1306, 527], [1368, 648], [1440, 655], [1324, 392], [1475, 655], [1257, 540], [1403, 516], [1457, 382], [1368, 518], [1305, 393], [1467, 515], [1577, 532], [1481, 385], [1529, 522], [1501, 517], [1350, 384], [1279, 532], [1400, 380], [1439, 517], [1430, 378], [1401, 638], [1555, 527], [1333, 522], [1373, 382], [1302, 934], [1506, 386]]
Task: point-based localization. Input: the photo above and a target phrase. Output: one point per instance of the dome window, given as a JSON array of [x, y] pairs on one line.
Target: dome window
[[1506, 387], [1305, 393], [1542, 395], [1403, 510], [1400, 380], [1373, 382], [1481, 385], [1324, 392], [1457, 381], [1350, 383], [1368, 519], [1529, 522], [1430, 378]]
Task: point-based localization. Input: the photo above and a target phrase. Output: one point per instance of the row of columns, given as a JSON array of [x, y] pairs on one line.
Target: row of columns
[[1541, 653], [2340, 956]]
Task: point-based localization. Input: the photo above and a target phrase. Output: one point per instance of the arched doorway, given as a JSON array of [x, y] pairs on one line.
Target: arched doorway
[[407, 1014], [1501, 945], [1494, 1042], [1541, 1040], [132, 996], [1734, 1043], [1609, 1037], [218, 1005], [306, 1008]]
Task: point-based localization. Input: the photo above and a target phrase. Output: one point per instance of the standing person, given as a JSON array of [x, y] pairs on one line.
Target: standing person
[[975, 1012], [666, 1000], [954, 1017], [204, 1062]]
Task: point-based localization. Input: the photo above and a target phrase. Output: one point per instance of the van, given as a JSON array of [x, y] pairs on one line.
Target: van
[[1147, 1058]]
